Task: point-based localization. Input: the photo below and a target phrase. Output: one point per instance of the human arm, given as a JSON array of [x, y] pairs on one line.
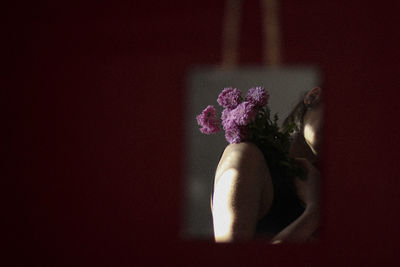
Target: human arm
[[303, 228], [243, 192]]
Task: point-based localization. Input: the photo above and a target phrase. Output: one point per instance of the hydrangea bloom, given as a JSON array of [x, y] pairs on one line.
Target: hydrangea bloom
[[244, 113], [258, 96], [208, 120], [229, 98]]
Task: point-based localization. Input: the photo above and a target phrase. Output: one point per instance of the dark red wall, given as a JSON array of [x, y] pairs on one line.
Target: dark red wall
[[94, 99]]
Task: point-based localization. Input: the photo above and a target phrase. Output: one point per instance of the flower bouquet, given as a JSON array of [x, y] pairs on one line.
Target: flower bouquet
[[248, 120]]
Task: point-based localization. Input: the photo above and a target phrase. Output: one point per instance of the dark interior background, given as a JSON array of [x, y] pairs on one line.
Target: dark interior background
[[93, 136]]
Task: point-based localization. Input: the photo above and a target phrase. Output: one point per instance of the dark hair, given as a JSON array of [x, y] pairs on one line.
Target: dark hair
[[295, 119]]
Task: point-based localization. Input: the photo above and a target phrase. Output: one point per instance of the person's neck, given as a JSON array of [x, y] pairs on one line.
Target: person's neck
[[300, 149]]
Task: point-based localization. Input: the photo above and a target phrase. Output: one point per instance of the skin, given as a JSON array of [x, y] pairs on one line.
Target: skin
[[243, 190]]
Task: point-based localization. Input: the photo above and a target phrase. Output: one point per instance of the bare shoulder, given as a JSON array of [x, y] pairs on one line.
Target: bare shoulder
[[237, 155], [243, 190], [252, 176], [246, 147]]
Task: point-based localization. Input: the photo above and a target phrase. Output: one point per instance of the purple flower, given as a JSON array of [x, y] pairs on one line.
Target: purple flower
[[236, 134], [225, 114], [208, 121], [228, 121], [244, 113], [229, 98], [258, 96]]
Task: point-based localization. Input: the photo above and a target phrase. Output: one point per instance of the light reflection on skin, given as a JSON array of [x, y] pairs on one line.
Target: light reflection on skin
[[313, 120], [222, 211], [309, 135]]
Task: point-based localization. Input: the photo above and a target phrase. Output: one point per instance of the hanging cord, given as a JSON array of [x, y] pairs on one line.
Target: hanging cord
[[272, 36], [231, 33]]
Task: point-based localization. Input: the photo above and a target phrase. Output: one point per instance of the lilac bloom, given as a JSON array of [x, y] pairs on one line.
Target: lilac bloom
[[258, 96], [228, 121], [229, 98], [236, 134], [208, 121], [244, 113]]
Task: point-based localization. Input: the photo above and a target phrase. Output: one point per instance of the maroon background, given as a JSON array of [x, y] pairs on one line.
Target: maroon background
[[94, 99]]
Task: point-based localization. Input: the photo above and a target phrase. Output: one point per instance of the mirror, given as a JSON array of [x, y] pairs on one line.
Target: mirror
[[286, 87]]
